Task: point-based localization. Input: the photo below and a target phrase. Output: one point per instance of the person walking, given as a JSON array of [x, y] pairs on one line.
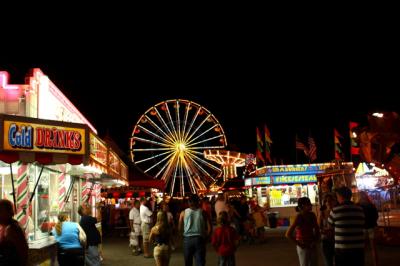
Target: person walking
[[71, 242], [93, 238], [327, 237], [161, 236], [307, 233], [13, 245], [348, 220], [136, 231], [196, 228], [145, 217], [371, 222], [225, 240]]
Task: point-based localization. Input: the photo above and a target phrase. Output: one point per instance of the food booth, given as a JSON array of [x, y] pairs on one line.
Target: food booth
[[281, 186], [50, 159]]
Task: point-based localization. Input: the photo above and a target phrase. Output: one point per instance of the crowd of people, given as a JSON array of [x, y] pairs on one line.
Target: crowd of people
[[341, 229], [194, 218]]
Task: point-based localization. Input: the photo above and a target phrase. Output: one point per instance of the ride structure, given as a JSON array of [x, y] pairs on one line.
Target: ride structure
[[168, 142]]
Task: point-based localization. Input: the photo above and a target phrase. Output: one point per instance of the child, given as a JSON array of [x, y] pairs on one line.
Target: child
[[225, 241]]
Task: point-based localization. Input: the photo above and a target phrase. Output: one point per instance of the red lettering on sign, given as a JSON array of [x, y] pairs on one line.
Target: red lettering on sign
[[77, 141], [61, 139], [39, 137], [68, 139], [47, 138]]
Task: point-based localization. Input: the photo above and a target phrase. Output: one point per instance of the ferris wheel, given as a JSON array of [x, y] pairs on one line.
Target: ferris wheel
[[168, 142]]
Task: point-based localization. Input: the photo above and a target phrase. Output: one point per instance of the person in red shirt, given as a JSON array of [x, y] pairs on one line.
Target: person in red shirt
[[225, 241]]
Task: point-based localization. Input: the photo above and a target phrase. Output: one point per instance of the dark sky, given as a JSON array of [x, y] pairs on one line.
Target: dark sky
[[291, 91]]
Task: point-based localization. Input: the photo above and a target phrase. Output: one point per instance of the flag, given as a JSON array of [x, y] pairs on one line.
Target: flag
[[312, 152], [338, 145], [301, 146], [354, 148], [268, 141], [260, 149]]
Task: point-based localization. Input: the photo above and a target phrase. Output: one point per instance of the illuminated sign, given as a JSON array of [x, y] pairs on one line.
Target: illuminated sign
[[294, 169], [291, 179], [255, 181], [265, 180], [25, 136]]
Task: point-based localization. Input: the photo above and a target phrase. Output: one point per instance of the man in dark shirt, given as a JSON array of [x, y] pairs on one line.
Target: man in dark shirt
[[88, 224]]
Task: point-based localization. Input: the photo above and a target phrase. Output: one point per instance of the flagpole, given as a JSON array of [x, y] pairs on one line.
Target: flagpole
[[295, 149], [351, 143]]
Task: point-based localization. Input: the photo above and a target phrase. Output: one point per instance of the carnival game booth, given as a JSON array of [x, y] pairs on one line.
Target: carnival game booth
[[281, 186]]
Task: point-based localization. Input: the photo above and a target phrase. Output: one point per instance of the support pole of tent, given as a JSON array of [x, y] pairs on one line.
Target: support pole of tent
[[13, 189]]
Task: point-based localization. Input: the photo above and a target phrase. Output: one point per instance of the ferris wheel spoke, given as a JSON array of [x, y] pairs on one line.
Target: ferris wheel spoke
[[205, 140], [159, 129], [185, 120], [206, 163], [199, 126], [191, 123], [170, 120], [201, 168], [202, 133], [152, 142], [181, 176], [154, 134], [189, 175], [159, 162], [174, 179], [152, 149], [168, 163], [165, 125], [178, 120], [153, 157], [194, 173], [207, 147]]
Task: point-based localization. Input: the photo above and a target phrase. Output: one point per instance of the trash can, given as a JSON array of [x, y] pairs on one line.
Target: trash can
[[273, 219]]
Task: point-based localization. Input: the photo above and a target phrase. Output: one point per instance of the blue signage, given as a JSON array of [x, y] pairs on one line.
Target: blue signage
[[299, 169], [264, 180], [294, 179]]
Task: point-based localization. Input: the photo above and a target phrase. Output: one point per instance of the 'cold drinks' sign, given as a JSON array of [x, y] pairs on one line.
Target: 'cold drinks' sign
[[43, 138]]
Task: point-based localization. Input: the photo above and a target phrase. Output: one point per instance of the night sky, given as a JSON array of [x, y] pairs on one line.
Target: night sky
[[291, 95]]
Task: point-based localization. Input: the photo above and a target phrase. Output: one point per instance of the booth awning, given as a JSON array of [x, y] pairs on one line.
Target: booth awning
[[41, 158]]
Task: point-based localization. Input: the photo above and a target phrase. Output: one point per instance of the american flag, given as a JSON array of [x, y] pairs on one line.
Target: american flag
[[312, 153], [300, 145]]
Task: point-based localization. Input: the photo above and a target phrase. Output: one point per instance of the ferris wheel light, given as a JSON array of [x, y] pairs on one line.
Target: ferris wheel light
[[180, 147]]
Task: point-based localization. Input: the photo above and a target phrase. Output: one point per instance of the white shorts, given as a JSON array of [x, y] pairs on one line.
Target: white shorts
[[137, 230]]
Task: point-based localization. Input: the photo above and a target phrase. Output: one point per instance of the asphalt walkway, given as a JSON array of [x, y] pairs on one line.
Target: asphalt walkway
[[275, 251]]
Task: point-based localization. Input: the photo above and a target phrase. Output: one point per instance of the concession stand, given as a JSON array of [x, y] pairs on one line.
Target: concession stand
[[280, 186], [51, 160]]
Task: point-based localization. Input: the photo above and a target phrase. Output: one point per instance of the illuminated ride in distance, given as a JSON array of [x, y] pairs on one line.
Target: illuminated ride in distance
[[229, 160], [168, 142]]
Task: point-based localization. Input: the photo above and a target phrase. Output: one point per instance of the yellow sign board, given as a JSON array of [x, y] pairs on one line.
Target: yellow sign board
[[25, 136]]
